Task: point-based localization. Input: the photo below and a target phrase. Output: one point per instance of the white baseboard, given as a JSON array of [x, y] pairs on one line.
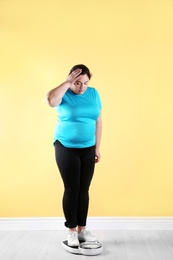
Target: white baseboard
[[94, 223]]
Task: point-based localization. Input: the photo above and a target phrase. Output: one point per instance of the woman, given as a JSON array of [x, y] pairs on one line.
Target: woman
[[77, 139]]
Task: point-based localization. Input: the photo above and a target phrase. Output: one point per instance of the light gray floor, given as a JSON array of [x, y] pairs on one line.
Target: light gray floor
[[118, 245]]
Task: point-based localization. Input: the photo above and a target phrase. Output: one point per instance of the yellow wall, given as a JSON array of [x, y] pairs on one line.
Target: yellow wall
[[128, 45]]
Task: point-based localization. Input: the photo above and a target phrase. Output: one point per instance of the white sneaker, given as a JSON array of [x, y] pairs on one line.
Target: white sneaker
[[86, 236], [72, 239]]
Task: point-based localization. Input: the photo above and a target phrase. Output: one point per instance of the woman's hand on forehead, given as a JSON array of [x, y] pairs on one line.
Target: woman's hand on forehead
[[73, 76]]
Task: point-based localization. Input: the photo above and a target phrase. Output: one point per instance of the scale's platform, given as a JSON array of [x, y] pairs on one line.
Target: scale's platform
[[84, 248]]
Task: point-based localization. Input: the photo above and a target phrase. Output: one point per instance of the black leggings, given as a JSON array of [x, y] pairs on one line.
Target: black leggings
[[76, 166]]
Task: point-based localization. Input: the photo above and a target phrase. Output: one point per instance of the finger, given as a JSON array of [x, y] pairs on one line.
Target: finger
[[76, 72], [97, 159]]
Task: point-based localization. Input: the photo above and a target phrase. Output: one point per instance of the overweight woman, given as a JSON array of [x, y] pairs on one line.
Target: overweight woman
[[77, 138]]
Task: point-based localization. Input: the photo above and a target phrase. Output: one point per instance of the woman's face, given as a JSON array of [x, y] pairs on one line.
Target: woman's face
[[80, 85]]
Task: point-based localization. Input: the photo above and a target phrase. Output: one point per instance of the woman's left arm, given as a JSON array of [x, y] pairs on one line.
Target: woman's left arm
[[98, 138]]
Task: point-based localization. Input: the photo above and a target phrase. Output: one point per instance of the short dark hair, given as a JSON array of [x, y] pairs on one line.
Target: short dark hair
[[84, 69]]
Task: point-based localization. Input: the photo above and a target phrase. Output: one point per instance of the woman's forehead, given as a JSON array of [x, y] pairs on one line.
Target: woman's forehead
[[83, 78]]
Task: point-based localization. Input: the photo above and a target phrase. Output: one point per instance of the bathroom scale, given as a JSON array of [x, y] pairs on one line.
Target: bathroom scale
[[84, 248]]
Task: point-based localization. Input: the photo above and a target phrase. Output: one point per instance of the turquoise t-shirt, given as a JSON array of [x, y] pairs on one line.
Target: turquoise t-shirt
[[77, 116]]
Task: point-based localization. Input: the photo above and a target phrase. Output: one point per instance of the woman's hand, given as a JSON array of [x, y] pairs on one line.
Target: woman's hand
[[97, 156], [72, 77]]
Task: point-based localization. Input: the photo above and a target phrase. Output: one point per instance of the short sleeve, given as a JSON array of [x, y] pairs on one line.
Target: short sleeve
[[98, 99]]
